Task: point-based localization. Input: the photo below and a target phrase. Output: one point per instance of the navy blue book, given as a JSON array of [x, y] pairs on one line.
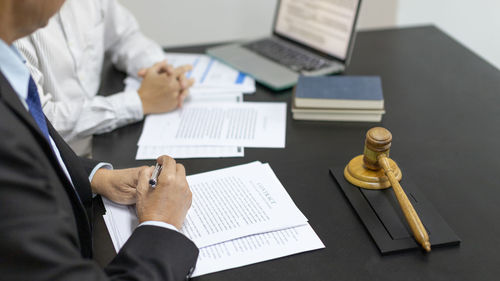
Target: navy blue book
[[339, 92]]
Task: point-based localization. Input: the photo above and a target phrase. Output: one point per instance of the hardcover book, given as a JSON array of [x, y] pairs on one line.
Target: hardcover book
[[328, 114], [340, 92]]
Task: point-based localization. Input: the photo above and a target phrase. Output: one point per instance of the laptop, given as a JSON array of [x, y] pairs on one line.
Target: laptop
[[310, 37]]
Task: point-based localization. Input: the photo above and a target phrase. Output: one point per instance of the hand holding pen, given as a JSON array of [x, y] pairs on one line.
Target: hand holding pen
[[170, 198]]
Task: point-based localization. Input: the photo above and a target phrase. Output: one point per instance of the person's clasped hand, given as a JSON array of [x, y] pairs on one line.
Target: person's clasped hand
[[164, 87]]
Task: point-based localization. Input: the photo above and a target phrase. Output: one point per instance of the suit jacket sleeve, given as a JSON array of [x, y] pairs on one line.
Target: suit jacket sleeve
[[88, 164], [39, 238], [177, 264]]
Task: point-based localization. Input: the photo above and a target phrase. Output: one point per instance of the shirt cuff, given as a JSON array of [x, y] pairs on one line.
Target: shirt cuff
[[160, 224], [97, 167], [127, 105]]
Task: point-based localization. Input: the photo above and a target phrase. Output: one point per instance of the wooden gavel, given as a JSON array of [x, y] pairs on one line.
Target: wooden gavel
[[375, 170]]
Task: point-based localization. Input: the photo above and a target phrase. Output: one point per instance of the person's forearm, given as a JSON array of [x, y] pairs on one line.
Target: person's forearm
[[75, 120]]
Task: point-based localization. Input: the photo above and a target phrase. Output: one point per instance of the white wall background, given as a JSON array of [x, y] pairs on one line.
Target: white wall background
[[476, 24]]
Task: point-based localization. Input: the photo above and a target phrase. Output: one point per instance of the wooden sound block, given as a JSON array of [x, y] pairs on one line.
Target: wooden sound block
[[356, 173], [379, 212]]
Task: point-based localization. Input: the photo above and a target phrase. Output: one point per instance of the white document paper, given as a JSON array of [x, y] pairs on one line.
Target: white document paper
[[227, 204], [257, 248], [210, 73], [249, 124], [236, 202], [192, 151], [145, 152], [239, 252], [121, 221], [229, 96]]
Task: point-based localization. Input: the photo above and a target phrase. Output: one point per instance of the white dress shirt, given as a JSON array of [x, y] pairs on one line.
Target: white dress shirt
[[14, 70], [65, 59]]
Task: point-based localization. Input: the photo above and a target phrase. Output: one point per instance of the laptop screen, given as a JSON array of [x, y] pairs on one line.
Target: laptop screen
[[324, 25]]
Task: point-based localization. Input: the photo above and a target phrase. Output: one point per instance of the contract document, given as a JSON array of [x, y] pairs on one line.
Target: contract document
[[231, 203], [226, 255], [239, 216], [145, 152], [257, 248], [249, 124]]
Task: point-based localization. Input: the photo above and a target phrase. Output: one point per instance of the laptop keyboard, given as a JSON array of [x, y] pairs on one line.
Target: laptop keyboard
[[293, 58]]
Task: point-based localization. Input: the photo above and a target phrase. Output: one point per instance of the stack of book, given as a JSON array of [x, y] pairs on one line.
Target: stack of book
[[338, 98]]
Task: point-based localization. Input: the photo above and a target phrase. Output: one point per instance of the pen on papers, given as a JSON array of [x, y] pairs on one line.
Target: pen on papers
[[154, 177]]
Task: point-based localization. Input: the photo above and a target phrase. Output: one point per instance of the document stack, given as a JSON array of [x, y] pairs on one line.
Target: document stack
[[239, 215], [338, 98], [214, 121], [204, 129]]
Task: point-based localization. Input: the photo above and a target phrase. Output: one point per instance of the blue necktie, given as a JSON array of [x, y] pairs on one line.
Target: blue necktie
[[35, 108]]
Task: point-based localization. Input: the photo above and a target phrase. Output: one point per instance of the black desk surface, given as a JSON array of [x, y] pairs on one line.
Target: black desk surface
[[443, 109]]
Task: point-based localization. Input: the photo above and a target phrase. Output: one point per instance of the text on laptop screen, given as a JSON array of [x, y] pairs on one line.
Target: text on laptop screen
[[325, 25]]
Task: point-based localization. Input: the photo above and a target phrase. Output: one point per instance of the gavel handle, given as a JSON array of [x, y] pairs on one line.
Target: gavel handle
[[411, 215]]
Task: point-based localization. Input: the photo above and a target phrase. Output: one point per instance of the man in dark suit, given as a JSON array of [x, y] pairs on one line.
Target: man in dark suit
[[46, 190]]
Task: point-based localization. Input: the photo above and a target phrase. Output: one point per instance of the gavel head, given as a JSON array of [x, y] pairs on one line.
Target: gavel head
[[378, 141], [364, 170]]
